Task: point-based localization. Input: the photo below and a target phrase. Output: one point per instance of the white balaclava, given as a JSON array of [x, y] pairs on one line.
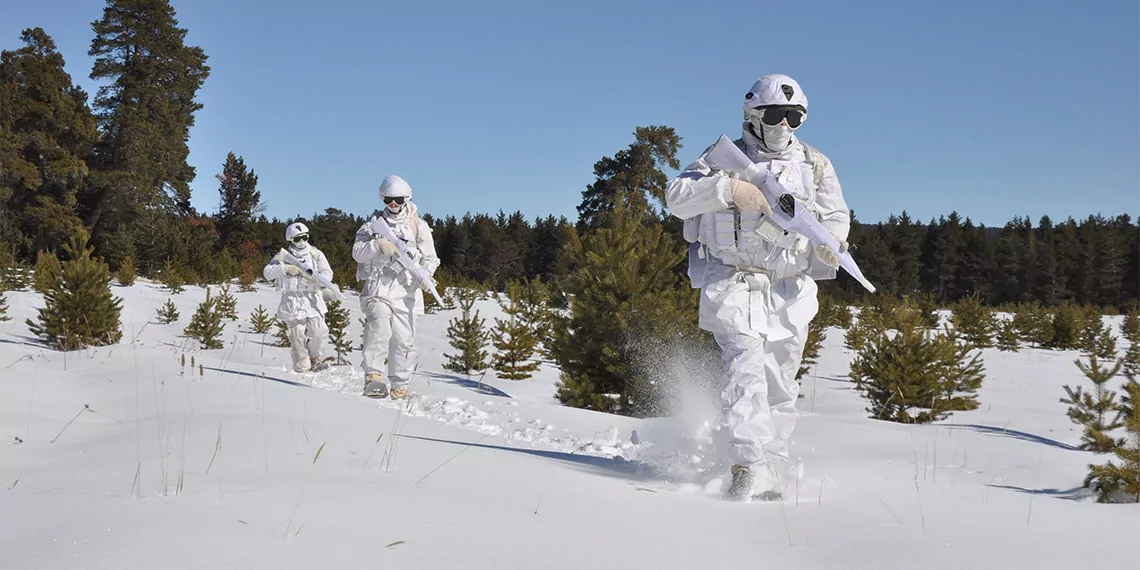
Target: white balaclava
[[776, 92], [395, 187]]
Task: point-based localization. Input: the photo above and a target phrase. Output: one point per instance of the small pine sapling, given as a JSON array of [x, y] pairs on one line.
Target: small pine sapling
[[1130, 328], [974, 321], [261, 321], [126, 273], [227, 304], [1033, 324], [167, 313], [47, 271], [4, 308], [1091, 327], [281, 335], [815, 337], [1121, 483], [206, 323], [246, 277], [1008, 339], [337, 319], [916, 369], [927, 305], [171, 277], [1096, 411], [514, 339], [79, 310], [467, 335], [1067, 321], [12, 274]]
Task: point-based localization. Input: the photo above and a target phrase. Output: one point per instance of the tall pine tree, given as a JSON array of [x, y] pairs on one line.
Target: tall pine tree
[[239, 202], [633, 174], [46, 134], [145, 111]]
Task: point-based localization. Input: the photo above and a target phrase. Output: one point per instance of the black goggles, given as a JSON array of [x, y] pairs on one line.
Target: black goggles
[[772, 116], [300, 238], [391, 199]]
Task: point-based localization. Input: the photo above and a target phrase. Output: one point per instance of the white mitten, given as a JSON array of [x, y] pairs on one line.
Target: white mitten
[[386, 247], [292, 269], [824, 253], [748, 197]]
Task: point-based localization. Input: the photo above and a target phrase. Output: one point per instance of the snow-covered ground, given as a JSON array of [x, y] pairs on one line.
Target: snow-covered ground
[[121, 457]]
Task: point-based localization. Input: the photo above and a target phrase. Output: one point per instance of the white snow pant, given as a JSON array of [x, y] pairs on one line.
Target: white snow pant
[[389, 332], [306, 339], [761, 326]]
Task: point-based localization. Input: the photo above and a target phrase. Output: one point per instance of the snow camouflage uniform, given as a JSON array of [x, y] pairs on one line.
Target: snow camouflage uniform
[[302, 308], [392, 299], [758, 290]]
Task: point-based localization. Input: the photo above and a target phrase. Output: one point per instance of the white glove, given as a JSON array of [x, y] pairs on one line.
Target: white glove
[[824, 253], [748, 197], [291, 269], [386, 247]]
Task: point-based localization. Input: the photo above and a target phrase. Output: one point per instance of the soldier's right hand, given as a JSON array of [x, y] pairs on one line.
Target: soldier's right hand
[[748, 197]]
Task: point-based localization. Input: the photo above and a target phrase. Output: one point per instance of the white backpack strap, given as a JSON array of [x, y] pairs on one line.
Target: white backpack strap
[[816, 159]]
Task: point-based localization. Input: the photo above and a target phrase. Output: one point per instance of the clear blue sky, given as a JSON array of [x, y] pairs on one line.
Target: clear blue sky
[[994, 108]]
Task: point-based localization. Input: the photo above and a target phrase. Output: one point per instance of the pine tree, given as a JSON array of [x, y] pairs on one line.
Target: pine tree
[[246, 276], [815, 337], [146, 109], [49, 129], [916, 369], [1034, 324], [239, 201], [626, 302], [514, 339], [172, 277], [47, 272], [1067, 327], [1008, 339], [260, 320], [632, 176], [168, 313], [1121, 483], [337, 320], [975, 321], [227, 304], [281, 335], [1131, 331], [1091, 327], [467, 335], [206, 323], [12, 275], [126, 274], [4, 308], [1096, 411], [79, 310]]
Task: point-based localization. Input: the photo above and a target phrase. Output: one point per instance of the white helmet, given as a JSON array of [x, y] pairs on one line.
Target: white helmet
[[296, 234], [394, 192], [775, 106]]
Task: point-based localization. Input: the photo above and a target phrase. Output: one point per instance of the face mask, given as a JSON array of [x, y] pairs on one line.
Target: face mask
[[776, 138]]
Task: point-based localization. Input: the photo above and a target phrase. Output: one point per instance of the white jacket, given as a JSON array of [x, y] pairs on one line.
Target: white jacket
[[383, 275], [301, 296], [750, 241]]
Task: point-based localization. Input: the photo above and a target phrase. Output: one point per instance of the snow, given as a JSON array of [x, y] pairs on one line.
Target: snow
[[120, 457]]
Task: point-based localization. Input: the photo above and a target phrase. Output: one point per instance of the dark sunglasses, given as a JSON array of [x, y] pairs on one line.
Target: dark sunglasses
[[772, 116], [300, 238], [396, 199]]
